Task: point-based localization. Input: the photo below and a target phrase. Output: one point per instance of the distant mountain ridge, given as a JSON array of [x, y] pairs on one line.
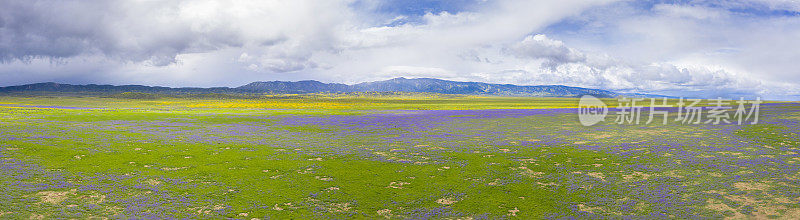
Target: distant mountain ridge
[[428, 85], [424, 85]]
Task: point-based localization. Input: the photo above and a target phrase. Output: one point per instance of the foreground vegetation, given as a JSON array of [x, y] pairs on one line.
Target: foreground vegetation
[[401, 156]]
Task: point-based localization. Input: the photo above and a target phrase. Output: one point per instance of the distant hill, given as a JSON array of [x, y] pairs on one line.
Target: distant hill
[[427, 85], [299, 87], [51, 87], [420, 85]]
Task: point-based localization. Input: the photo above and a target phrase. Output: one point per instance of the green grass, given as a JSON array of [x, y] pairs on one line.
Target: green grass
[[180, 153]]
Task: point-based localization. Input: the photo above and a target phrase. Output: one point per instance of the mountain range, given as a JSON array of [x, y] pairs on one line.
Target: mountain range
[[424, 85]]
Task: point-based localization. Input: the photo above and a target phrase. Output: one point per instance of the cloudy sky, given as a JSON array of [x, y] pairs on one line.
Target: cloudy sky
[[690, 48]]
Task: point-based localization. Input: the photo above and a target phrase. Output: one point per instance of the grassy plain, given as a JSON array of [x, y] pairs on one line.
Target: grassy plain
[[418, 156]]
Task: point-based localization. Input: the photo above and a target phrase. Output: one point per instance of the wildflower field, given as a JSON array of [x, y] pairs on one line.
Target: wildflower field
[[393, 157]]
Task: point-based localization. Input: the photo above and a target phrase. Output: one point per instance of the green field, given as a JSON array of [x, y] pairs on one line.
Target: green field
[[402, 156]]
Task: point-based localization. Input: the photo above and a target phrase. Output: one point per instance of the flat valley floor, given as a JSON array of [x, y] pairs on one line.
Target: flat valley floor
[[384, 157]]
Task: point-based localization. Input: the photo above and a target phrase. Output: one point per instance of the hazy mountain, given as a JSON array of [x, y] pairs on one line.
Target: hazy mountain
[[306, 86], [427, 85], [51, 87]]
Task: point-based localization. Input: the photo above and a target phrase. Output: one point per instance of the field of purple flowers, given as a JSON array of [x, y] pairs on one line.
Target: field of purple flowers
[[77, 162]]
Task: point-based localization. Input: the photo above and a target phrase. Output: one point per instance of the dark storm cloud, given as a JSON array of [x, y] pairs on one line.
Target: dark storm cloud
[[47, 29], [134, 31]]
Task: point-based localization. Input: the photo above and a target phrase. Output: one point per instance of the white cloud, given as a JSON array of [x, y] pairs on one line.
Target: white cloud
[[670, 48], [414, 71], [742, 41], [158, 31], [789, 5], [540, 47], [684, 11]]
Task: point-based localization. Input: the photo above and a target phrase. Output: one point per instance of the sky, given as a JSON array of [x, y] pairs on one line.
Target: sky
[[692, 48]]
